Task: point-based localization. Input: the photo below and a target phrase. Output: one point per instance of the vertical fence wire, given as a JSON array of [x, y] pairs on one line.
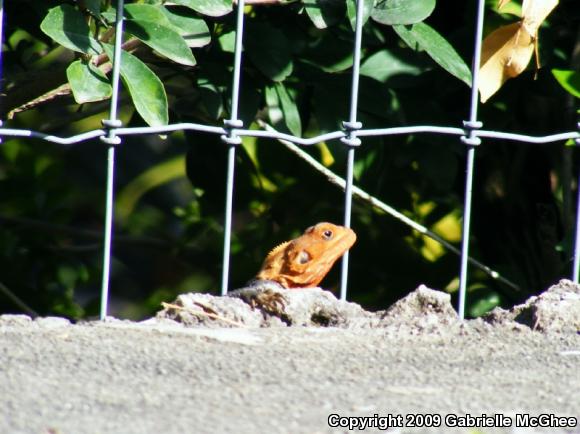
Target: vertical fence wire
[[232, 140], [1, 50], [228, 218], [351, 140], [112, 140], [471, 141], [347, 215], [576, 264]]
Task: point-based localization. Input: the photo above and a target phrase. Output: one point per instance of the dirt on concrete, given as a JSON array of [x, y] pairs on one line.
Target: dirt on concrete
[[210, 364]]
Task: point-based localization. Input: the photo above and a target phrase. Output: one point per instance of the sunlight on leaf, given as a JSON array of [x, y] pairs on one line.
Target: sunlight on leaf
[[282, 109], [389, 63], [162, 39], [67, 26], [88, 83], [423, 36], [505, 54], [146, 89], [351, 11], [502, 3], [449, 227], [192, 29], [258, 178], [393, 12], [213, 8], [482, 300], [569, 80], [323, 13], [326, 156], [431, 249], [535, 13], [289, 108]]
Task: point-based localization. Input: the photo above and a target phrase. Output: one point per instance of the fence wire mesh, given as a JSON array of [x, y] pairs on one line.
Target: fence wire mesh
[[232, 132]]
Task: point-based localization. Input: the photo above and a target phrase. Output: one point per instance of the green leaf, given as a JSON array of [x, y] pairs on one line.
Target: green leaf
[[389, 64], [162, 39], [270, 50], [351, 11], [282, 109], [93, 6], [569, 80], [68, 275], [211, 100], [290, 110], [145, 88], [88, 83], [375, 98], [66, 25], [152, 178], [213, 8], [140, 12], [408, 37], [227, 42], [144, 12], [482, 300], [192, 29], [324, 13], [250, 102], [329, 53], [422, 36], [393, 12]]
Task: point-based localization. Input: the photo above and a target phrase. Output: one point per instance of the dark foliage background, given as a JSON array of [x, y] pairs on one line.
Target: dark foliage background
[[170, 190]]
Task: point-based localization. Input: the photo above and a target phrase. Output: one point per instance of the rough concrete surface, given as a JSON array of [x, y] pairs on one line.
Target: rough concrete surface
[[213, 364]]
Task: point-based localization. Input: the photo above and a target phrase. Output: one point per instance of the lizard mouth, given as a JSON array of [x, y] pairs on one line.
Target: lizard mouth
[[348, 237]]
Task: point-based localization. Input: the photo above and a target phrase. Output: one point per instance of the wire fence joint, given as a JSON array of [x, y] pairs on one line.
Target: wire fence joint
[[470, 138]]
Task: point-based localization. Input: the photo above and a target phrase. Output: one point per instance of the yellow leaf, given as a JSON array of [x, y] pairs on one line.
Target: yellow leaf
[[534, 12], [507, 51], [326, 157], [502, 3], [505, 54]]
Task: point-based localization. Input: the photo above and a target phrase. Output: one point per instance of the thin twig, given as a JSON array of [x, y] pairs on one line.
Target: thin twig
[[333, 178], [202, 313], [17, 301]]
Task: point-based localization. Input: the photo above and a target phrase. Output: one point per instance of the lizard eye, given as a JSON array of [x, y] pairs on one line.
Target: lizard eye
[[327, 234]]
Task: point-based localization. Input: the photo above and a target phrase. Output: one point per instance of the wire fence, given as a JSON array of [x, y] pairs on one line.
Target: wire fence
[[470, 134]]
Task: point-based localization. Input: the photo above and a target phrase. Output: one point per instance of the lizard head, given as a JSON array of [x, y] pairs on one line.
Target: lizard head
[[305, 261]]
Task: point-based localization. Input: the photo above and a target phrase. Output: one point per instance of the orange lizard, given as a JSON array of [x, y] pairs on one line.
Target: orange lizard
[[300, 263], [304, 261]]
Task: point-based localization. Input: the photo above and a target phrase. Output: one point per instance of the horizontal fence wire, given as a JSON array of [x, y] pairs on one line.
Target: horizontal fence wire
[[232, 133], [303, 141]]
